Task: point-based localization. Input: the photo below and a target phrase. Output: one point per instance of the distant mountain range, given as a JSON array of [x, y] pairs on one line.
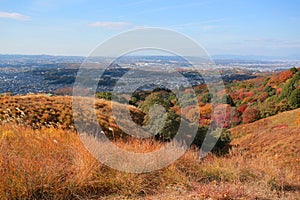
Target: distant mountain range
[[256, 57], [214, 57]]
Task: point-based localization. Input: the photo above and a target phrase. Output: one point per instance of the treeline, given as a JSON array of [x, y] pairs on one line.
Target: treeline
[[241, 102]]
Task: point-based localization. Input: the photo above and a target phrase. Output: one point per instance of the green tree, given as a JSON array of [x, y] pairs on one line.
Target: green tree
[[155, 98], [206, 98], [294, 70], [170, 127], [104, 95], [266, 81], [271, 91], [226, 99], [155, 117], [294, 99], [290, 86]]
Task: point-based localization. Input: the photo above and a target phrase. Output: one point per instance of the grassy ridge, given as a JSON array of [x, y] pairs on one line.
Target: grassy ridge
[[40, 110]]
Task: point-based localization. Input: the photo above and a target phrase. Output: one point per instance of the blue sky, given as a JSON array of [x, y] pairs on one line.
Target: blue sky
[[76, 27]]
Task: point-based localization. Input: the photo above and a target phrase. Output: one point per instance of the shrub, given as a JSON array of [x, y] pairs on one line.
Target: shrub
[[223, 139], [104, 95], [282, 106]]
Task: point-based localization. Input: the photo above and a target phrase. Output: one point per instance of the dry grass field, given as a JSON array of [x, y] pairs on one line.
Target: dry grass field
[[50, 162]]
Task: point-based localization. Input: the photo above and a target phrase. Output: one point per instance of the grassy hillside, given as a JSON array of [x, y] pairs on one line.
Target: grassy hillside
[[275, 138], [51, 163]]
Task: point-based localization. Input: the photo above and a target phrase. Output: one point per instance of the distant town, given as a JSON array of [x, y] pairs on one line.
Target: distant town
[[24, 74]]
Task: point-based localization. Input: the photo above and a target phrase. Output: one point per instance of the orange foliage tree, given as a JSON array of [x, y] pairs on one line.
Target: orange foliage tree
[[285, 75]]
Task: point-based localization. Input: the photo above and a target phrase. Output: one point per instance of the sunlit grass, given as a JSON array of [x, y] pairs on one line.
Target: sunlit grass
[[53, 164]]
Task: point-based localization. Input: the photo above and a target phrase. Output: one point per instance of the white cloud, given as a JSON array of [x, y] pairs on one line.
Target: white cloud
[[110, 25], [12, 15]]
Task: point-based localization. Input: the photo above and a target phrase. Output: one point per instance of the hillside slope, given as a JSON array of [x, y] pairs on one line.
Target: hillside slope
[[276, 138], [50, 162]]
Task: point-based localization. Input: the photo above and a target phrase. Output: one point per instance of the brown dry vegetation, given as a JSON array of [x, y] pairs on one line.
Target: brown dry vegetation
[[44, 111], [51, 163]]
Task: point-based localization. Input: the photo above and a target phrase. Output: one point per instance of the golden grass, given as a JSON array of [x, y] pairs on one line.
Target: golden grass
[[39, 110], [52, 163], [275, 137]]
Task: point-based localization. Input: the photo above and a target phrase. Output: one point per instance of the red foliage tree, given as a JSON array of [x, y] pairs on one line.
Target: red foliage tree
[[242, 108], [225, 116], [278, 91], [250, 115], [243, 95], [187, 91], [262, 97]]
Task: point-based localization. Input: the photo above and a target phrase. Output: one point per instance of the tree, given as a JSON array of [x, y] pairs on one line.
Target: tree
[[242, 108], [294, 99], [187, 99], [266, 81], [200, 136], [290, 86], [226, 99], [223, 141], [206, 98], [263, 96], [250, 115], [104, 95], [285, 75], [155, 116], [225, 116], [170, 128], [294, 70], [155, 98], [271, 91]]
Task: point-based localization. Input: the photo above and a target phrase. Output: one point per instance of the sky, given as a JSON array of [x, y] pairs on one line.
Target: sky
[[76, 27]]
